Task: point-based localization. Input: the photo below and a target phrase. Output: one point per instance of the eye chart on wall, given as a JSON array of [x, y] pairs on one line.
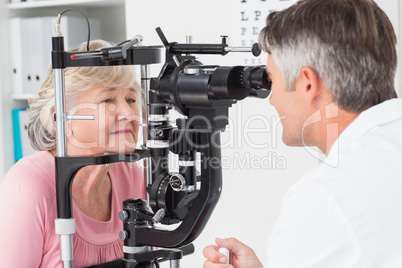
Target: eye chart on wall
[[249, 17]]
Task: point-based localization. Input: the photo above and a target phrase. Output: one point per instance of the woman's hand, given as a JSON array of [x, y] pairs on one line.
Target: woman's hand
[[242, 256]]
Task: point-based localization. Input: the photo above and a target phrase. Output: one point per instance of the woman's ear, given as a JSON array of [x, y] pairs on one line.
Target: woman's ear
[[53, 115]]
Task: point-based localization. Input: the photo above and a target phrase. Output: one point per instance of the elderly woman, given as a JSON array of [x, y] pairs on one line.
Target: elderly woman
[[27, 194]]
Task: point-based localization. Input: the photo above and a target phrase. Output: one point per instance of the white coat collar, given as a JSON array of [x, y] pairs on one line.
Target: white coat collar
[[375, 116]]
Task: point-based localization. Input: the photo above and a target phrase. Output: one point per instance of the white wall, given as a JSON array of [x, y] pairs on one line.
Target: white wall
[[393, 9]]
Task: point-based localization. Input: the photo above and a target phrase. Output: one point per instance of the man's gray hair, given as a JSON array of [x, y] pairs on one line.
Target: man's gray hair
[[349, 44]]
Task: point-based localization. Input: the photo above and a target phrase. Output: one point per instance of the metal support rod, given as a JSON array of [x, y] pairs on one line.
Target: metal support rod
[[80, 117], [66, 250], [174, 263], [238, 49], [145, 77], [59, 110], [87, 55], [66, 239], [145, 84]]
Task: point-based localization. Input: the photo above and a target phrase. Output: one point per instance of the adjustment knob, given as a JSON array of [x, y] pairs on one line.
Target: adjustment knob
[[123, 215], [156, 133], [191, 70], [177, 182], [159, 215], [123, 235]]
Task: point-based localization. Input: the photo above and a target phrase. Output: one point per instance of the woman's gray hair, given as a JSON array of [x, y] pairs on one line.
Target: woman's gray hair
[[349, 44], [41, 127]]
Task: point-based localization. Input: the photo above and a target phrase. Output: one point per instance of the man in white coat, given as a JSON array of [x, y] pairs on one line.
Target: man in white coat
[[332, 64]]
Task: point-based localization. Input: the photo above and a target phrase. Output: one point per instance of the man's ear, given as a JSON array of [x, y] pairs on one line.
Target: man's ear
[[310, 86]]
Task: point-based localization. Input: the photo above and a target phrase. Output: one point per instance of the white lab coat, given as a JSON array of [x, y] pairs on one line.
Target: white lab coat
[[347, 212]]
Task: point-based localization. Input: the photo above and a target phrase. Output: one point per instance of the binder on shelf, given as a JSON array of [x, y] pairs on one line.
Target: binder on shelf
[[31, 45], [32, 55], [15, 29], [22, 145]]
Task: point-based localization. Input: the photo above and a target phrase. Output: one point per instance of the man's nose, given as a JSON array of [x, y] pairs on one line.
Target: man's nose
[[270, 99]]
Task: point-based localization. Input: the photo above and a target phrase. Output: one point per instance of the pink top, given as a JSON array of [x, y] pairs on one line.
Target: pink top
[[28, 210]]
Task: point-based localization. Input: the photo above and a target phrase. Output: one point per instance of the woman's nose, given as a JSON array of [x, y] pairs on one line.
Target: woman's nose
[[124, 112]]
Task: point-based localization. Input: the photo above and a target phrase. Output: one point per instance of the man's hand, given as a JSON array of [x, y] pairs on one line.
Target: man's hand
[[241, 255]]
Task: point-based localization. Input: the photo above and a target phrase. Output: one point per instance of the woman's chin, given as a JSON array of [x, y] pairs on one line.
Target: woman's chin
[[125, 150]]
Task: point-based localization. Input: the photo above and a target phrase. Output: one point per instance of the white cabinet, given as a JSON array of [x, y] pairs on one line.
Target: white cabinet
[[112, 21]]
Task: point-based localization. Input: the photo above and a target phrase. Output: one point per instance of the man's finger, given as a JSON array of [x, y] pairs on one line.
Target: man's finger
[[231, 244], [209, 264], [212, 254]]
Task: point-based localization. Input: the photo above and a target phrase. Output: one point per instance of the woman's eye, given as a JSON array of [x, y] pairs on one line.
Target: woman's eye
[[106, 101], [131, 100]]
